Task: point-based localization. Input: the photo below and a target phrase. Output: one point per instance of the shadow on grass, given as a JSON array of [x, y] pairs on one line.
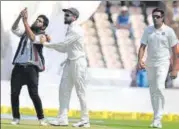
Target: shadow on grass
[[5, 123], [123, 125]]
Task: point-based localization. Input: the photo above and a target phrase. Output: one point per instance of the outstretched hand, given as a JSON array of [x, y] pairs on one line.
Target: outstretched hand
[[45, 38], [22, 12], [25, 16]]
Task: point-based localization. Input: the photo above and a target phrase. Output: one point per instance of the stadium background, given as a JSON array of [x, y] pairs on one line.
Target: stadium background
[[111, 56]]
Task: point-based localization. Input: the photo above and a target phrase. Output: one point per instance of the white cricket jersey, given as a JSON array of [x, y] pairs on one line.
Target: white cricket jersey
[[73, 44], [159, 43]]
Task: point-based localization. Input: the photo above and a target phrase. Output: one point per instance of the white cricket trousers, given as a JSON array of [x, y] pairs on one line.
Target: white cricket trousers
[[74, 74], [156, 78]]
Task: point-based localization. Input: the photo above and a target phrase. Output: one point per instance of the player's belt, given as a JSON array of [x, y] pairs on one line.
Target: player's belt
[[65, 61]]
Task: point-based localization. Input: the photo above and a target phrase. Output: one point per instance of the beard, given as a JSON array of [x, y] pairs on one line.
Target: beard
[[67, 21], [35, 28]]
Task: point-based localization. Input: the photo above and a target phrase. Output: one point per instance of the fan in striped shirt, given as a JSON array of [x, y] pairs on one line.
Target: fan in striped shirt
[[28, 62]]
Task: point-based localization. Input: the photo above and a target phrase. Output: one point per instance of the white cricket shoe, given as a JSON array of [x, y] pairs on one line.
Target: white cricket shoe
[[15, 121], [82, 124], [59, 122], [43, 122], [156, 124]]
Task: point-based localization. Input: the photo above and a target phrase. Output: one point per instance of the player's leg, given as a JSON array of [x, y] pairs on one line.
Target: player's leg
[[32, 76], [161, 75], [16, 85], [156, 78], [151, 75], [65, 90], [80, 68], [151, 80]]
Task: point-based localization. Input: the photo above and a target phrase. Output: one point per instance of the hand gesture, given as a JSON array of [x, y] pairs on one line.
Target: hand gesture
[[141, 65], [22, 12], [25, 14], [173, 74], [48, 38], [45, 38]]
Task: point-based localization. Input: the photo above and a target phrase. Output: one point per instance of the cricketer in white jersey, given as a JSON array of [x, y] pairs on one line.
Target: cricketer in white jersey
[[161, 42], [74, 72]]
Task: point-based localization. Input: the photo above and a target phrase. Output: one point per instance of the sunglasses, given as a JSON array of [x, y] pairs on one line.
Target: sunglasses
[[67, 15], [156, 16]]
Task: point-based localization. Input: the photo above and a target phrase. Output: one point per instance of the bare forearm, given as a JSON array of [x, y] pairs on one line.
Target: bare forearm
[[141, 52], [16, 23], [175, 58], [28, 30], [174, 67]]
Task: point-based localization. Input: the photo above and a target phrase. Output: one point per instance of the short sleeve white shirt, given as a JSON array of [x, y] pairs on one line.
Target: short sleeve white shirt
[[159, 43]]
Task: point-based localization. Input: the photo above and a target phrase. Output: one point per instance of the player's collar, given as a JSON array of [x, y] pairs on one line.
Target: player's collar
[[72, 24], [161, 28]]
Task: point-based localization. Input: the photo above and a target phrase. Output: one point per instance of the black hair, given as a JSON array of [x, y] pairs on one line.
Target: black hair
[[46, 20], [174, 2], [159, 10]]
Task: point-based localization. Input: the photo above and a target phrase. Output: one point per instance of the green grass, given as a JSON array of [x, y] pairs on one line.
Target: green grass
[[104, 124]]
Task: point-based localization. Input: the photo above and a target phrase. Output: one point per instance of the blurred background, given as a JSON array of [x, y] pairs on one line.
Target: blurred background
[[113, 31]]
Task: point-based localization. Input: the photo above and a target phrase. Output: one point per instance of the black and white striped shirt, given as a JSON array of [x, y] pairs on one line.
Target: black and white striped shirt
[[29, 52]]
